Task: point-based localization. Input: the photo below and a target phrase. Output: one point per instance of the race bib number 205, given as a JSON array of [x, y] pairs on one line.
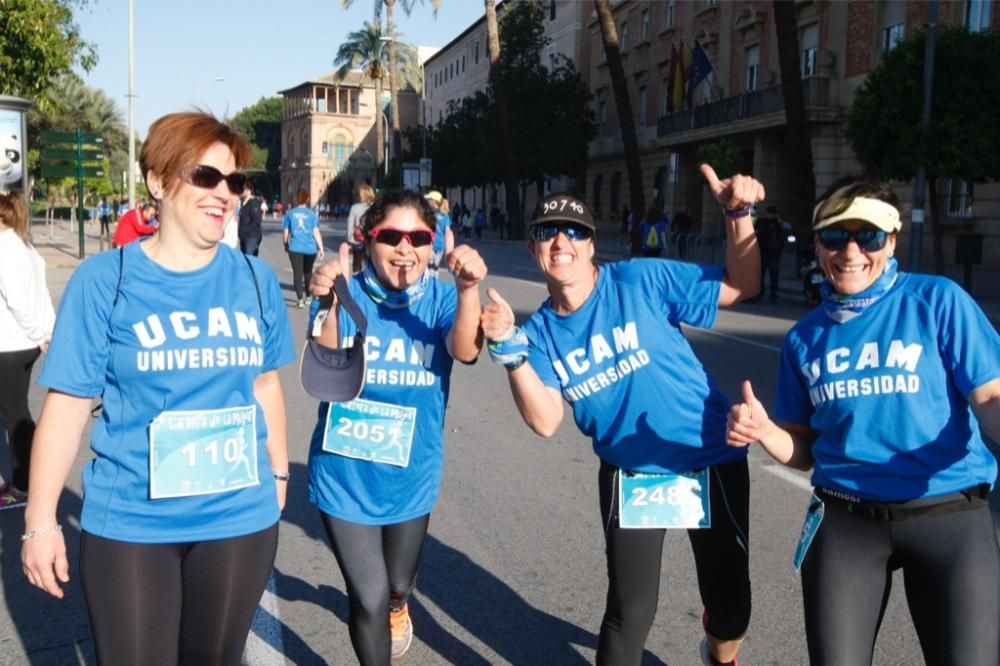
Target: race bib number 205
[[369, 430]]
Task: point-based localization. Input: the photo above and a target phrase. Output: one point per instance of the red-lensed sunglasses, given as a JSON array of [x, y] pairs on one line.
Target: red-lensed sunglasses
[[208, 177], [393, 237]]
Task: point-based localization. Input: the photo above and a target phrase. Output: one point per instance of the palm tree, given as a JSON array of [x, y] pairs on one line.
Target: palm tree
[[390, 39], [798, 143], [626, 122], [503, 120], [368, 51]]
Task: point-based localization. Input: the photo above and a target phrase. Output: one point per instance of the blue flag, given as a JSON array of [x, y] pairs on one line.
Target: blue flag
[[701, 67]]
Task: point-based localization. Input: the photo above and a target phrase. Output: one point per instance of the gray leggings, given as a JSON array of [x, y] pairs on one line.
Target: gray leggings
[[951, 574], [379, 564]]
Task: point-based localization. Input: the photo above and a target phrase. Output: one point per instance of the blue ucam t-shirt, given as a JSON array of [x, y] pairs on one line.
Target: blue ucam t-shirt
[[886, 392], [622, 362], [408, 365], [300, 222], [182, 349]]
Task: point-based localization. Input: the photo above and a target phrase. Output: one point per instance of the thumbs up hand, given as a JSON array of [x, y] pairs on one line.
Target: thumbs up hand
[[734, 192], [464, 262], [748, 421], [322, 279], [497, 319]]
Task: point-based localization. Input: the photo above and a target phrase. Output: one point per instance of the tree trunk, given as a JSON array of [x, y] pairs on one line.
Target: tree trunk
[[379, 135], [626, 122], [798, 143], [936, 231], [503, 120], [397, 146]]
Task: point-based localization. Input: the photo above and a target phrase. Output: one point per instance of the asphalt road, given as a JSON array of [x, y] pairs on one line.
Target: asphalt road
[[513, 569]]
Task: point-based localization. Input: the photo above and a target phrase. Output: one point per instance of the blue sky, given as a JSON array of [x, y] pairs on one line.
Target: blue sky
[[223, 55]]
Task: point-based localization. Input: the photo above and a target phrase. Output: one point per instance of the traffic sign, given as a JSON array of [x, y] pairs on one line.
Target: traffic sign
[[49, 138], [64, 154], [69, 171]]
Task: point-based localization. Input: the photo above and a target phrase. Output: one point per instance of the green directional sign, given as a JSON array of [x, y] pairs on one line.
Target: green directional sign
[[69, 171], [69, 154], [51, 138]]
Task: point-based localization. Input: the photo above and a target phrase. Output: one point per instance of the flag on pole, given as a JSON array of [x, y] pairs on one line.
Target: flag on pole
[[680, 66], [701, 67]]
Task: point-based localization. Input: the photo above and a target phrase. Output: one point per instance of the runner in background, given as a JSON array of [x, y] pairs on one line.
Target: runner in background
[[375, 463], [181, 337], [609, 342], [882, 391]]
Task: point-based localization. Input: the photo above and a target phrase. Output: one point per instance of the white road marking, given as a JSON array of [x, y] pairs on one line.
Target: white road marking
[[739, 339], [264, 645], [793, 478]]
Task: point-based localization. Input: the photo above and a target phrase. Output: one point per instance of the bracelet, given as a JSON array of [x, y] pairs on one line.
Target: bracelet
[[31, 534], [736, 213], [280, 476], [516, 364]]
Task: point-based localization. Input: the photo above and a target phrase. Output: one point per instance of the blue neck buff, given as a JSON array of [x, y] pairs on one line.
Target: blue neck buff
[[845, 308], [391, 298]]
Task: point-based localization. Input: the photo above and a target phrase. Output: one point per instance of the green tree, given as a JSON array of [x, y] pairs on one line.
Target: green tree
[[883, 125], [260, 123], [626, 122], [78, 106], [38, 43]]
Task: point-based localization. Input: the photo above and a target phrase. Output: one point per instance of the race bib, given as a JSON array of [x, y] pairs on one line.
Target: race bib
[[369, 430], [202, 452], [814, 516], [656, 501]]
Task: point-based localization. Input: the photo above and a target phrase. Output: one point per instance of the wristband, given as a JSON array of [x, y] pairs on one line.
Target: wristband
[[736, 213], [510, 352], [31, 534], [280, 476]]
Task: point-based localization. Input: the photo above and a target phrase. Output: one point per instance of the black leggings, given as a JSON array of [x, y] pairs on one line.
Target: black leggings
[[951, 574], [721, 560], [15, 369], [302, 268], [379, 564], [141, 596]]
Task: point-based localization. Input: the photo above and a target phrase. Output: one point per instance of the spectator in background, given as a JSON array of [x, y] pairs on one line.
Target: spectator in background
[[440, 206], [480, 223], [771, 239], [303, 243], [26, 320], [653, 230], [249, 230], [104, 215], [135, 224], [355, 235]]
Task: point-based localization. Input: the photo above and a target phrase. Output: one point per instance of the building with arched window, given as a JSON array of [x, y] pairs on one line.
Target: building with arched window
[[328, 135]]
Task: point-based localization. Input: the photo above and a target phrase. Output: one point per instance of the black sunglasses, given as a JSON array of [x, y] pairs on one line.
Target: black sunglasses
[[546, 232], [837, 238], [208, 178], [393, 237]]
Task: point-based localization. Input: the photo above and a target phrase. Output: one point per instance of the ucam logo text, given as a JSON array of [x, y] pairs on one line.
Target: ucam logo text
[[186, 325], [579, 361], [869, 357]]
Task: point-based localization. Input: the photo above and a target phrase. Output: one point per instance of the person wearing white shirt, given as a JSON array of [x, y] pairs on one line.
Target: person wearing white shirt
[[26, 321]]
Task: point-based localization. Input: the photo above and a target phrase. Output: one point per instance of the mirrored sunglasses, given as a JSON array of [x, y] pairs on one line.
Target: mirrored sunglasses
[[574, 232], [208, 178], [393, 237], [837, 238]]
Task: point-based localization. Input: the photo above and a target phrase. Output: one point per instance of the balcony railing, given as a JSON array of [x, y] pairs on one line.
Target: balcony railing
[[815, 90]]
